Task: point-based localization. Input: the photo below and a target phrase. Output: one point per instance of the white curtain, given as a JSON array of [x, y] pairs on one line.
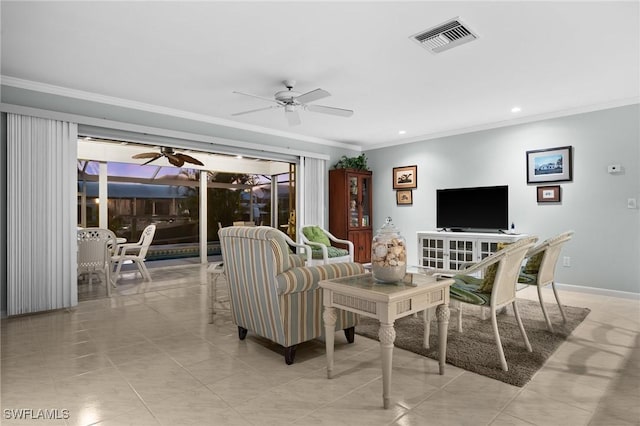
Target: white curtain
[[41, 214], [315, 176]]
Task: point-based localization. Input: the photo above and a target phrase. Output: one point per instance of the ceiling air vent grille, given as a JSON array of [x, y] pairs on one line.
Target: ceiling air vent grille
[[445, 36]]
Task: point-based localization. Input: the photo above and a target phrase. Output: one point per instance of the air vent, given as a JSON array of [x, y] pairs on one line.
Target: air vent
[[445, 36]]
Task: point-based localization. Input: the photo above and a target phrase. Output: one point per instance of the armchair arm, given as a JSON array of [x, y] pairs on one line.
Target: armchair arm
[[323, 248], [307, 249], [306, 278], [338, 240], [122, 249]]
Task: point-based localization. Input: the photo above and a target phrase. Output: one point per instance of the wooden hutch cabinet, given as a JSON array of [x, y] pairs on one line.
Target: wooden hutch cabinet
[[350, 209]]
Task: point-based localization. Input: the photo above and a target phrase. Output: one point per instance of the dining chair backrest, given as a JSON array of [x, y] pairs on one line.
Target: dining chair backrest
[[552, 248], [95, 248], [504, 284]]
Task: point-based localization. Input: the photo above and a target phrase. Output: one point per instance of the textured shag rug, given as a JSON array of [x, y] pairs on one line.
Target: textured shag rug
[[475, 349]]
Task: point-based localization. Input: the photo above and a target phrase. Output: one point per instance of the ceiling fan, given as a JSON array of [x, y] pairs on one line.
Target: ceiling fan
[[293, 102], [175, 158]]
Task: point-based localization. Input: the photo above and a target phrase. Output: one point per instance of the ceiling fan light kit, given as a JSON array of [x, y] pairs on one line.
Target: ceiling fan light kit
[[292, 102]]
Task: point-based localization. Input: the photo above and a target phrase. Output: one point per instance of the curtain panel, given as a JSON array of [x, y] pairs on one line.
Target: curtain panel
[[41, 214], [315, 176]]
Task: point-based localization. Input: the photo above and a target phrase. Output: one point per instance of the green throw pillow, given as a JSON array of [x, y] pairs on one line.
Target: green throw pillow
[[316, 235], [533, 263], [490, 273]]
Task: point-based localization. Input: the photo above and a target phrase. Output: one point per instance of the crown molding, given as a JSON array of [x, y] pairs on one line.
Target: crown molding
[[506, 123]]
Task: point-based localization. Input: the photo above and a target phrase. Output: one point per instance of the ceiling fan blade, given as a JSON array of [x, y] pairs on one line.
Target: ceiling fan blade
[[175, 160], [256, 96], [293, 117], [153, 155], [255, 110], [311, 96], [189, 159], [330, 110]]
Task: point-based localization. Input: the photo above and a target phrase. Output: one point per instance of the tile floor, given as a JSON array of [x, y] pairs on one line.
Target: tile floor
[[148, 356]]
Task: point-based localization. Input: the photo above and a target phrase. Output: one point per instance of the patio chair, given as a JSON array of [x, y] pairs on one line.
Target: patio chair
[[134, 252], [540, 269]]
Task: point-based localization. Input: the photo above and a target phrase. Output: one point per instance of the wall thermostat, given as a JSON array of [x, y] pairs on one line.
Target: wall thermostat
[[614, 168]]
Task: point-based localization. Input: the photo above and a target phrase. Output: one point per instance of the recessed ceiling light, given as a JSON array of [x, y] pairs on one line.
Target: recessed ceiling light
[[516, 109], [239, 157], [402, 132]]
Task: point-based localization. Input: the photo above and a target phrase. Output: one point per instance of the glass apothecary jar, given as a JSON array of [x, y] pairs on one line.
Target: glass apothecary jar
[[388, 254]]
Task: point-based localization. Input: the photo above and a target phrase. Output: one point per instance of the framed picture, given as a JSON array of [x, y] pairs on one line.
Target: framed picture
[[549, 165], [549, 194], [404, 196], [405, 177]]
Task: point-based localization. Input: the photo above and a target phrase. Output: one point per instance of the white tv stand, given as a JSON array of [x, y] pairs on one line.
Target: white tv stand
[[453, 250]]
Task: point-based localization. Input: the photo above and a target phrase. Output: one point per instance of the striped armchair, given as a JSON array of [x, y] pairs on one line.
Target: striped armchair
[[272, 294]]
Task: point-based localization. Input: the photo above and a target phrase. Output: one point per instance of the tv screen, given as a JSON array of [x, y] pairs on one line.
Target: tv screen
[[479, 208]]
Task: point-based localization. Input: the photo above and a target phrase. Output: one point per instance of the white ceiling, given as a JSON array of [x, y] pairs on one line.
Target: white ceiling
[[549, 58]]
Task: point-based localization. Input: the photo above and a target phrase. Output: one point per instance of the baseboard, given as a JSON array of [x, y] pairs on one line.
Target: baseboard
[[599, 291]]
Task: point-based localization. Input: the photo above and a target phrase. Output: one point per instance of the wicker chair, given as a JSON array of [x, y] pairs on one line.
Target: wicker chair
[[540, 269]]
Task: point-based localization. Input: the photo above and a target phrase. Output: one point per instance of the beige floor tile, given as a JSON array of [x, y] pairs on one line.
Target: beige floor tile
[[543, 410], [197, 407], [508, 420], [136, 417], [451, 409], [243, 387], [363, 406]]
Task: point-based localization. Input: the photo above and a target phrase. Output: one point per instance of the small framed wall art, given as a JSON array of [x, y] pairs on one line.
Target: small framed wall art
[[405, 177], [404, 196], [549, 194], [549, 165]]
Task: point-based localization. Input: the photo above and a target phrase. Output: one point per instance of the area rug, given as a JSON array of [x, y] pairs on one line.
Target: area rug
[[475, 349]]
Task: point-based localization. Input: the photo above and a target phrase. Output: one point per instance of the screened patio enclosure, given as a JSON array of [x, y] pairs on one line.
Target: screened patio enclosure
[[187, 204]]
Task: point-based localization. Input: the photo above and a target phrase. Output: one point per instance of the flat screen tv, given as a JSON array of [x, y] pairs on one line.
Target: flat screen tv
[[481, 208]]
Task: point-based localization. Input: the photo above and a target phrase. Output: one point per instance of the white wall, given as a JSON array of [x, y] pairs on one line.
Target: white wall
[[605, 250]]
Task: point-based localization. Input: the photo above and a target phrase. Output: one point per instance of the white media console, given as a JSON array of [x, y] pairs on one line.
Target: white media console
[[453, 250]]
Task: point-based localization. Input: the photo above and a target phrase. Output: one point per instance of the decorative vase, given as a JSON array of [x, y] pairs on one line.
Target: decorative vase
[[388, 254]]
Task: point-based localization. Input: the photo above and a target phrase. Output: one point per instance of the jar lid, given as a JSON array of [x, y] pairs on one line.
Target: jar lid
[[388, 227]]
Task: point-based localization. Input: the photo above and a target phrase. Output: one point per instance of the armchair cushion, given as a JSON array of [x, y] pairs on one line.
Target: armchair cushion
[[467, 289], [490, 273], [529, 279], [316, 252], [533, 263], [315, 234]]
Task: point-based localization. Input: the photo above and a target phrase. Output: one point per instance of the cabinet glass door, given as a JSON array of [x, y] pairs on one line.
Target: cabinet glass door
[[359, 201], [365, 184], [354, 202]]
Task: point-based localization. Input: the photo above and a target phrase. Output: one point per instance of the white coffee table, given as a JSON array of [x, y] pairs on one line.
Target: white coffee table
[[386, 303]]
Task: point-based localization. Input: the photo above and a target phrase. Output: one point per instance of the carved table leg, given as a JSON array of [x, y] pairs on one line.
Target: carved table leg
[[427, 314], [329, 317], [442, 313], [387, 335]]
